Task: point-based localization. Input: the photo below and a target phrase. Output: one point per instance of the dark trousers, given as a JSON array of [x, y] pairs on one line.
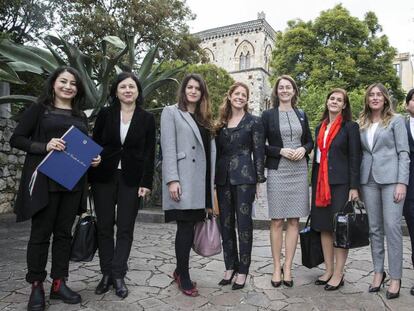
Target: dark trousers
[[113, 255], [236, 200], [57, 218], [183, 243], [409, 219]]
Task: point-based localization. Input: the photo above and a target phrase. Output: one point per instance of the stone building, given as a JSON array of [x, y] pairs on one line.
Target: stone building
[[244, 50], [404, 68]]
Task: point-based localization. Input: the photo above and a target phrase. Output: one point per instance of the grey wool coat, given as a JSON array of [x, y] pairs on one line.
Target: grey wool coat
[[184, 160], [389, 159]]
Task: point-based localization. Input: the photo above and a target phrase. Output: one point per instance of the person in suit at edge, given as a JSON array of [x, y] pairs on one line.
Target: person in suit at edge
[[189, 154], [289, 141], [127, 134], [409, 200], [240, 167], [384, 178], [335, 179], [51, 207]]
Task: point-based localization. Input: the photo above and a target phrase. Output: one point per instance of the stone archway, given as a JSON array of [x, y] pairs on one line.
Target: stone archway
[[244, 55]]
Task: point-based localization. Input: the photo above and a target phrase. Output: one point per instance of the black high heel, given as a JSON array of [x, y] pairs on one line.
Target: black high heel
[[376, 289], [330, 287], [390, 295], [322, 282], [224, 282], [236, 286], [277, 283], [287, 283]]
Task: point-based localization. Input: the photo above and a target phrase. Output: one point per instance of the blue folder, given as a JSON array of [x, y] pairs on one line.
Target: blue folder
[[68, 166]]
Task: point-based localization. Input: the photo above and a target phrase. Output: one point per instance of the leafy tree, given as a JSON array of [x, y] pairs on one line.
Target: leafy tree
[[336, 50], [162, 22], [217, 79], [24, 20]]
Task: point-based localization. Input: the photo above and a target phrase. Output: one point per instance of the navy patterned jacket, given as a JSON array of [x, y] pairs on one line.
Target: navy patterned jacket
[[240, 153]]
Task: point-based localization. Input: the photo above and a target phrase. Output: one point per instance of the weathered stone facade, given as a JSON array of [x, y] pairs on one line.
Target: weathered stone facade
[[11, 162], [244, 50]]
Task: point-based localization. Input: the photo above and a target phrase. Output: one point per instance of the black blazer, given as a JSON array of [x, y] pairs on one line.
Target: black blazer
[[410, 188], [234, 153], [344, 156], [137, 152], [270, 119]]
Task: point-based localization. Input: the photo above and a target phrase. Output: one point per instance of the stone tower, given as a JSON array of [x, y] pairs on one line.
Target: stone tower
[[244, 50]]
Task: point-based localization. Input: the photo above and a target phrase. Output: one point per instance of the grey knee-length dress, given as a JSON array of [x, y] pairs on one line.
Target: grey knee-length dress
[[287, 187]]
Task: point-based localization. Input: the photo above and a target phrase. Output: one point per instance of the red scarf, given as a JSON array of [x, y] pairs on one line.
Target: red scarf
[[323, 191]]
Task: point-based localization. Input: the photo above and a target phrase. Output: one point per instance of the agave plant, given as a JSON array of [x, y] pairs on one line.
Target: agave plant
[[15, 58]]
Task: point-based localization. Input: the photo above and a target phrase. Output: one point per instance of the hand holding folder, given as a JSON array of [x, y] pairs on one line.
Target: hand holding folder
[[68, 166]]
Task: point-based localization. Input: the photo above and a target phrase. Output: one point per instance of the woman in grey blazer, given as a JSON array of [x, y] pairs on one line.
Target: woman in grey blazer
[[188, 164], [384, 176]]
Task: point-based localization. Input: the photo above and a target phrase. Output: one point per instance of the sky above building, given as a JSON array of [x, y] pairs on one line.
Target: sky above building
[[396, 17]]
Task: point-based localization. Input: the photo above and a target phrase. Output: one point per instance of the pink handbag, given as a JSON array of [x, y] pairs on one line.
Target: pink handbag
[[207, 238]]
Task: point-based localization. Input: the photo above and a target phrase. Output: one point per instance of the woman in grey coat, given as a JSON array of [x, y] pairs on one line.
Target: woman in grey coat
[[384, 176], [188, 165]]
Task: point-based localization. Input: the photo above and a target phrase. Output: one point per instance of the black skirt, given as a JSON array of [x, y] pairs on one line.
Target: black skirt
[[192, 215], [322, 217]]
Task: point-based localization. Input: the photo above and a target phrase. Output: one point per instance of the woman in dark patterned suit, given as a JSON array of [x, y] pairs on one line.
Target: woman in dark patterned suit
[[239, 136]]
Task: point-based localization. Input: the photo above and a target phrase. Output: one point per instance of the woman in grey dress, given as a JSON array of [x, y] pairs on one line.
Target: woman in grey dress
[[289, 141]]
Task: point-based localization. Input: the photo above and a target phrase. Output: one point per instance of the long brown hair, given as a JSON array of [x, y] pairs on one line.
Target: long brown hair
[[386, 114], [346, 112], [225, 107], [275, 98], [202, 111]]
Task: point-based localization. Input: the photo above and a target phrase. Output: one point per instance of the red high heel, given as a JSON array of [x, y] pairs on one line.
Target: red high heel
[[176, 276], [193, 292]]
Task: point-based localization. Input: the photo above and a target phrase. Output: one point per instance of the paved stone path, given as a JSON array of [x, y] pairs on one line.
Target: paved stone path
[[152, 288]]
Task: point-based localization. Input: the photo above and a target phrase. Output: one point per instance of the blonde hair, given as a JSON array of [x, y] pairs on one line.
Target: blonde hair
[[386, 114], [225, 107]]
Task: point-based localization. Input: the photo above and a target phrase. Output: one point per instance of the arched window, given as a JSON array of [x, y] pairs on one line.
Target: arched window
[[247, 60], [242, 62], [244, 55], [267, 57]]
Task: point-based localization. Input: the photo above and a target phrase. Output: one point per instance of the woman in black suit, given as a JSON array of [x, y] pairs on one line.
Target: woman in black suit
[[51, 207], [240, 167], [335, 179], [127, 134]]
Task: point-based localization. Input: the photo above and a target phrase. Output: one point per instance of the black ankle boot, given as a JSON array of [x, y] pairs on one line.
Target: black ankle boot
[[37, 297], [104, 285], [62, 292], [120, 288]]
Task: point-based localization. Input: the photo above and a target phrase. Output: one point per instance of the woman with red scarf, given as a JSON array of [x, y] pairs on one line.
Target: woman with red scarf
[[335, 179]]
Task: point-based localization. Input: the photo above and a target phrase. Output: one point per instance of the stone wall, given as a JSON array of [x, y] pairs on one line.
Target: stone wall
[[11, 162]]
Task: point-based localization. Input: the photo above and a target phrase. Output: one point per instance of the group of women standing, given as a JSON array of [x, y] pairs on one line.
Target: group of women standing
[[200, 157], [351, 160]]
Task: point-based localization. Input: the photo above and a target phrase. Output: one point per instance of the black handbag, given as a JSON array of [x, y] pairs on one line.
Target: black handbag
[[310, 244], [85, 240], [351, 228]]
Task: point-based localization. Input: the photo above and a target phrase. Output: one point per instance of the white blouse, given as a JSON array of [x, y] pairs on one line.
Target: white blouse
[[318, 151], [370, 134], [412, 126], [123, 131]]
